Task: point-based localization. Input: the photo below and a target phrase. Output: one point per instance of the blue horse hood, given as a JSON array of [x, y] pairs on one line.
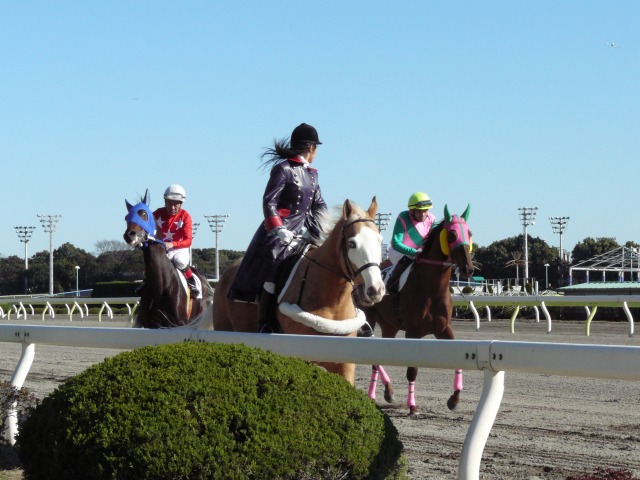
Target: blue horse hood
[[133, 216]]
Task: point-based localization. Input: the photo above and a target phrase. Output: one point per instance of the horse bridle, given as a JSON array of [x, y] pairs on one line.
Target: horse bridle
[[353, 274], [344, 252], [146, 239], [442, 263]]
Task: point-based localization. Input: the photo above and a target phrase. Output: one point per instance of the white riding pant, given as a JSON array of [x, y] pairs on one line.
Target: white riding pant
[[394, 255], [179, 257]]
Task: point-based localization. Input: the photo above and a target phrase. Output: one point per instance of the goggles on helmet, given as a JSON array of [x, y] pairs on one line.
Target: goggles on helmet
[[422, 205]]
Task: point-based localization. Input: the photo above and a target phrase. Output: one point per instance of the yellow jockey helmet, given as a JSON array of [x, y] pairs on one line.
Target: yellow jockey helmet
[[420, 201]]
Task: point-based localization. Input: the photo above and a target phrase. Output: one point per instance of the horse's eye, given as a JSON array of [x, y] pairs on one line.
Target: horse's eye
[[452, 236], [143, 215], [352, 243]]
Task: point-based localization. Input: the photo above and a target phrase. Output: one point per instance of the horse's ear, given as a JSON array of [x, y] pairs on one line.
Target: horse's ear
[[465, 215], [129, 206], [347, 209], [447, 215], [146, 198], [373, 208]]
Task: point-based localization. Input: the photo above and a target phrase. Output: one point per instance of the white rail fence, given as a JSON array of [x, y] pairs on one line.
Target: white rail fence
[[21, 308], [494, 358]]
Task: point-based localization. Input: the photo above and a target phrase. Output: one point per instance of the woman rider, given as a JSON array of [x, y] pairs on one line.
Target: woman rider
[[409, 231], [292, 203]]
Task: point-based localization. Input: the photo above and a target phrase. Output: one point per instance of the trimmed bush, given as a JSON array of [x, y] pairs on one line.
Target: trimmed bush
[[208, 411]]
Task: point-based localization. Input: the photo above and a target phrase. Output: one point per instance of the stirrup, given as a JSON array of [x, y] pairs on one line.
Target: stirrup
[[266, 329]]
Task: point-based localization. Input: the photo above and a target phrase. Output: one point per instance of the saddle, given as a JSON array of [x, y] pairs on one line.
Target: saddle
[[283, 272]]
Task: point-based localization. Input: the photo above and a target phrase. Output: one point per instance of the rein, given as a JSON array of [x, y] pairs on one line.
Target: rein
[[352, 273], [433, 262]]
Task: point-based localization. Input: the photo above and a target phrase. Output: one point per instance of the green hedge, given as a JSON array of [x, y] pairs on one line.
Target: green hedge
[[115, 289], [208, 411]]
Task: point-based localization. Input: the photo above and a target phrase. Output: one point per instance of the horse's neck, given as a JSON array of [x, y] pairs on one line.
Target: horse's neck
[[436, 272], [325, 284], [158, 268]]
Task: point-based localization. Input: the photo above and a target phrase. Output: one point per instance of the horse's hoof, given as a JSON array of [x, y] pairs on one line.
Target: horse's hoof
[[388, 394], [454, 400], [413, 409]]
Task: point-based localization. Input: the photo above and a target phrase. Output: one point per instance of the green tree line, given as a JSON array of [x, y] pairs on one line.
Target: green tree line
[[115, 260]]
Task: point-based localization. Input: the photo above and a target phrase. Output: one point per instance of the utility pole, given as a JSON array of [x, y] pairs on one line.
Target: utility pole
[[194, 229], [527, 217], [558, 224], [216, 223], [49, 223], [382, 220], [24, 234]]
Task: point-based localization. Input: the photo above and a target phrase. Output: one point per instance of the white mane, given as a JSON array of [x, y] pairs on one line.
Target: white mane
[[327, 220]]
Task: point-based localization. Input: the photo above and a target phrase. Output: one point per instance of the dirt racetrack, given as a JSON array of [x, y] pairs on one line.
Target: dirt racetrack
[[548, 427]]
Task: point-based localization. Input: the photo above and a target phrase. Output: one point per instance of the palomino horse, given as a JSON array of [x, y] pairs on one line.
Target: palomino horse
[[317, 298], [165, 300], [423, 305]]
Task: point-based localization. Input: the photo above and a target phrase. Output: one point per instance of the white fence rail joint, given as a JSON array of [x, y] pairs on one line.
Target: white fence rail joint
[[494, 357]]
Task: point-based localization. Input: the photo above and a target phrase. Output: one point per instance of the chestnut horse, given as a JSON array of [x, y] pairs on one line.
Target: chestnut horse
[[165, 300], [423, 306], [317, 297]]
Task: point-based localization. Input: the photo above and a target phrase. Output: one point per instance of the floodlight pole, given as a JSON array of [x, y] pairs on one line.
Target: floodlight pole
[[24, 234], [194, 229], [382, 220], [558, 224], [216, 223], [49, 223], [527, 217]]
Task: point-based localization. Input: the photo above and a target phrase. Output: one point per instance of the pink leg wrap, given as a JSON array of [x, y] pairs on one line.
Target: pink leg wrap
[[373, 383], [383, 375], [411, 399], [457, 381]]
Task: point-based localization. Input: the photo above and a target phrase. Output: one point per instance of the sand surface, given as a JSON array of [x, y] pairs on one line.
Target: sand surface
[[548, 427]]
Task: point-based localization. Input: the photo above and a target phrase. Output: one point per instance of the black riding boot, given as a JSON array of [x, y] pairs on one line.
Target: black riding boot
[[267, 321], [394, 279], [191, 281]]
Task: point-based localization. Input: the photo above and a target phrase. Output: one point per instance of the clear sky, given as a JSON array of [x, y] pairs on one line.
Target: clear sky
[[500, 104]]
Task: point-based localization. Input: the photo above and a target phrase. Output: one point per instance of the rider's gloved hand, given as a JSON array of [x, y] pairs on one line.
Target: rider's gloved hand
[[285, 235]]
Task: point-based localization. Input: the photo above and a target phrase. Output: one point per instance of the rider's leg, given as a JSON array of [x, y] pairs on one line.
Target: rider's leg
[[267, 321], [180, 259], [394, 279]]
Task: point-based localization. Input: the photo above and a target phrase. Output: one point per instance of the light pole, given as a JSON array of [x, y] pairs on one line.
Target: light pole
[[194, 229], [546, 275], [558, 224], [216, 223], [382, 220], [527, 217], [49, 223], [24, 234], [77, 291]]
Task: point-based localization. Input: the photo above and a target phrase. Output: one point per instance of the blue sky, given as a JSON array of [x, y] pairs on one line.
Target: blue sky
[[498, 104]]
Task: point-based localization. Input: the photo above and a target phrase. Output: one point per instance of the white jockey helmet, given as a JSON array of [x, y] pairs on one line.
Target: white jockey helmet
[[175, 192]]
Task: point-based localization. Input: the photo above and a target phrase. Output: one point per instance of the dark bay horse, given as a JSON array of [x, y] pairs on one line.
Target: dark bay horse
[[165, 300], [424, 306], [317, 298]]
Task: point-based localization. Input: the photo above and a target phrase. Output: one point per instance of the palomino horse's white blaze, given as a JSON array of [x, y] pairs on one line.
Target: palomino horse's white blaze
[[363, 249]]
